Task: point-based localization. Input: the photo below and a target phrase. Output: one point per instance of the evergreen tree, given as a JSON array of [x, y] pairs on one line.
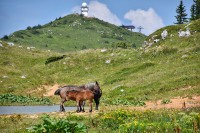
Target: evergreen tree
[[195, 10], [181, 15]]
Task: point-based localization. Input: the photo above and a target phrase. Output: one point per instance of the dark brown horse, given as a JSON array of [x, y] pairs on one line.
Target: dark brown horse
[[93, 87]]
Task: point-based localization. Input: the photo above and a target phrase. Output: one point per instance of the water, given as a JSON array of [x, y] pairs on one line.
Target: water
[[31, 109]]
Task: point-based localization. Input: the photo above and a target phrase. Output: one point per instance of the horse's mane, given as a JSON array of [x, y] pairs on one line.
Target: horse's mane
[[69, 86], [82, 86], [90, 85]]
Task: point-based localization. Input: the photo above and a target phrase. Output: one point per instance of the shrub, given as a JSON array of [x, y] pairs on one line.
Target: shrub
[[53, 59], [49, 36], [5, 37], [28, 28], [35, 31], [37, 27], [53, 125], [83, 47], [119, 38], [120, 45], [10, 98], [90, 28]]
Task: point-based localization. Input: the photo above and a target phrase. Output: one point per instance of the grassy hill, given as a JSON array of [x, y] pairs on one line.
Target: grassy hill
[[164, 70], [74, 32], [167, 69]]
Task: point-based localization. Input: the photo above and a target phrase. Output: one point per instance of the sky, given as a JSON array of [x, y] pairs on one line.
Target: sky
[[150, 14]]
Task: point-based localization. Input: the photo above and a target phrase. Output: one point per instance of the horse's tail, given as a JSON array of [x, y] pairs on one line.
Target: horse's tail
[[57, 92]]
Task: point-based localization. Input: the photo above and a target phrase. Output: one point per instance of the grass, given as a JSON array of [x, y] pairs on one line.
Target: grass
[[115, 120], [74, 32], [132, 77], [145, 74]]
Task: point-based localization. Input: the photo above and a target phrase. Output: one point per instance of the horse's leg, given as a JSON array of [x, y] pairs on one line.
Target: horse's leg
[[62, 109], [97, 103], [90, 101], [83, 104], [77, 104], [80, 106]]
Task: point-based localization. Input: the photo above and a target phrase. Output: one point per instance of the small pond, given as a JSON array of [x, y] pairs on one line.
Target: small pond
[[31, 109]]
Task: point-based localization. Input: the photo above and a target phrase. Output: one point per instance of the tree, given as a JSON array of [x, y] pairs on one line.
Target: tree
[[195, 10], [5, 37], [192, 10], [181, 15], [28, 28]]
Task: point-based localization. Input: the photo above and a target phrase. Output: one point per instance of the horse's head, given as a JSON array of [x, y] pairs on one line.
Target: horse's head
[[96, 85], [97, 88]]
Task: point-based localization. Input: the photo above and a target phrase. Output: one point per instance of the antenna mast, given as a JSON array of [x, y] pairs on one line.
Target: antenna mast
[[140, 28]]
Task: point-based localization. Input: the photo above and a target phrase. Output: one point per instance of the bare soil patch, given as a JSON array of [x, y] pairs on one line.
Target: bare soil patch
[[50, 90], [175, 103]]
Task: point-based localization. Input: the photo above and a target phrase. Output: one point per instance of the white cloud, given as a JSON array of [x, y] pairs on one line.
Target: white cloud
[[149, 20], [101, 11]]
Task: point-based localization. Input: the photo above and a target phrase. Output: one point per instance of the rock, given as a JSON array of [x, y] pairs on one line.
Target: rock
[[23, 76], [108, 61], [103, 50], [187, 33], [5, 77], [164, 34], [10, 43]]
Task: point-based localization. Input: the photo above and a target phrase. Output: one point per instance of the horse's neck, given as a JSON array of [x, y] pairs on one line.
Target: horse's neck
[[82, 87]]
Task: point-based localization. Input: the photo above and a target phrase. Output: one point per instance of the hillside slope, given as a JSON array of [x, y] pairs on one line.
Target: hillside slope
[[74, 32], [167, 69]]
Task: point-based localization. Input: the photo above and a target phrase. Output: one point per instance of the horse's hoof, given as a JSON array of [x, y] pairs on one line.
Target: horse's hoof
[[90, 111], [83, 110]]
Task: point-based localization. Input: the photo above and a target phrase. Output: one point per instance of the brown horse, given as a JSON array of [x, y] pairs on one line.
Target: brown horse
[[79, 97], [93, 87]]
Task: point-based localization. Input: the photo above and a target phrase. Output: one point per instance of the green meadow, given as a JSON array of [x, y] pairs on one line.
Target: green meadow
[[128, 77]]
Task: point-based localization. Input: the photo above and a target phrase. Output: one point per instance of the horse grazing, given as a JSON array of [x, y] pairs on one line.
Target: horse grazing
[[82, 93]]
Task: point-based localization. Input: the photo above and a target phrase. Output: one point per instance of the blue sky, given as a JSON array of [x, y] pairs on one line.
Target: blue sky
[[150, 14]]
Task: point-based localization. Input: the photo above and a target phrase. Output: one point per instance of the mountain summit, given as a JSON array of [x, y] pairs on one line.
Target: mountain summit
[[75, 32]]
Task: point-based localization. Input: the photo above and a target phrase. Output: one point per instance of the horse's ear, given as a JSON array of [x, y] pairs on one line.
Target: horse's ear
[[97, 83]]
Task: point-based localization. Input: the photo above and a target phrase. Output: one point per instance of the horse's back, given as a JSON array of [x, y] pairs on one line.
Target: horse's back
[[80, 95]]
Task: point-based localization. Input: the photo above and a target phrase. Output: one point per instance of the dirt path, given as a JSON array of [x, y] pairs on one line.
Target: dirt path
[[50, 90], [176, 103]]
